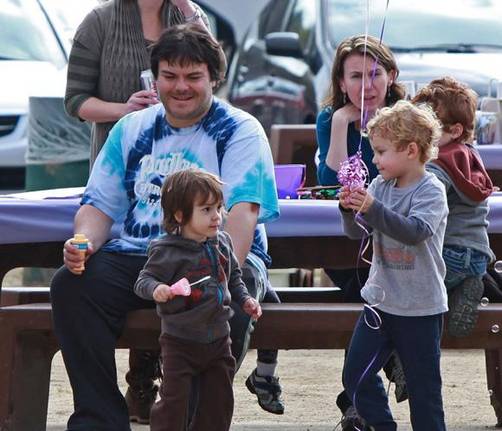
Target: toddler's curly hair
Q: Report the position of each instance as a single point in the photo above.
(404, 123)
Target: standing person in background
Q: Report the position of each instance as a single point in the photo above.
(338, 131)
(110, 50)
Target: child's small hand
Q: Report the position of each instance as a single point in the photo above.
(361, 200)
(344, 197)
(252, 307)
(162, 293)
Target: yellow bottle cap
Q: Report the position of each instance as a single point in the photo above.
(80, 237)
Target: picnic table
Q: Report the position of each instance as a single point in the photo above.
(308, 234)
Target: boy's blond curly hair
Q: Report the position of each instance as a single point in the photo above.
(404, 123)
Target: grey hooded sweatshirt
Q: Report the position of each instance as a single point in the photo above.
(203, 316)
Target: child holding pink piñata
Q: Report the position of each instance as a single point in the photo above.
(195, 337)
(405, 209)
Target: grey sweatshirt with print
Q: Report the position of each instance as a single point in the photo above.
(408, 226)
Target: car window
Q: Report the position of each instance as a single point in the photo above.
(66, 16)
(302, 21)
(272, 17)
(446, 25)
(25, 33)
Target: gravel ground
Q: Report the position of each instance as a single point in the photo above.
(311, 380)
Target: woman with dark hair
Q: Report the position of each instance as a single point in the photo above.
(363, 79)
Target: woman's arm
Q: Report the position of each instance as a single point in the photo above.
(337, 152)
(99, 111)
(331, 131)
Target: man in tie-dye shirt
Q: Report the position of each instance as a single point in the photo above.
(190, 128)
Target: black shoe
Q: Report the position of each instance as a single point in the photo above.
(268, 391)
(400, 391)
(463, 302)
(139, 403)
(395, 373)
(351, 421)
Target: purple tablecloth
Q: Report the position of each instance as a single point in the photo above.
(491, 155)
(48, 216)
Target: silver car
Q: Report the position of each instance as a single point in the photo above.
(34, 47)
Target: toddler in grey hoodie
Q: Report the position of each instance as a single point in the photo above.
(195, 336)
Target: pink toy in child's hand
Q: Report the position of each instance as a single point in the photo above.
(181, 287)
(353, 172)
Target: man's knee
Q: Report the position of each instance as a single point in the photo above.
(61, 290)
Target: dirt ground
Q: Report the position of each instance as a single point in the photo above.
(310, 381)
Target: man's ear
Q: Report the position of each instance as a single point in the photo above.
(456, 130)
(178, 215)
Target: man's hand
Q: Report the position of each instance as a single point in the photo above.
(252, 308)
(73, 258)
(162, 293)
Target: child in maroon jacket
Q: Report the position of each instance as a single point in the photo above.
(466, 250)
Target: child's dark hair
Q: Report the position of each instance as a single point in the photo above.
(186, 44)
(453, 102)
(182, 189)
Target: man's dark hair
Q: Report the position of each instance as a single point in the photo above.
(186, 44)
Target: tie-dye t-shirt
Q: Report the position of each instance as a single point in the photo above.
(143, 148)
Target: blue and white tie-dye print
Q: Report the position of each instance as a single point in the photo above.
(143, 148)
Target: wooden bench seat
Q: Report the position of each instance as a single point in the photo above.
(28, 345)
(16, 295)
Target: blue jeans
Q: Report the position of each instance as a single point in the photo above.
(416, 341)
(462, 263)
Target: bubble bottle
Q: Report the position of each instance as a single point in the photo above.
(80, 242)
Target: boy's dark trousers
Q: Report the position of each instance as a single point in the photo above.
(214, 365)
(417, 342)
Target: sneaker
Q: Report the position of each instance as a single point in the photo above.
(268, 391)
(139, 404)
(351, 421)
(397, 376)
(463, 302)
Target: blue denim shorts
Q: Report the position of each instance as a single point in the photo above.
(462, 263)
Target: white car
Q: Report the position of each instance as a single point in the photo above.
(34, 49)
